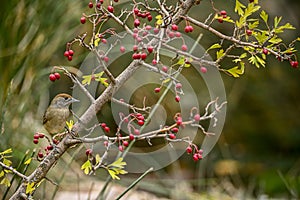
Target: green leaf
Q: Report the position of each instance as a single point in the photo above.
(253, 25)
(220, 53)
(275, 40)
(264, 16)
(118, 163)
(260, 61)
(86, 167)
(7, 162)
(237, 71)
(244, 55)
(261, 37)
(239, 7)
(280, 29)
(277, 21)
(214, 46)
(2, 174)
(181, 61)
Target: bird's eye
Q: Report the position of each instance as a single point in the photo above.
(66, 98)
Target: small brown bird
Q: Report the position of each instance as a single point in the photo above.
(57, 113)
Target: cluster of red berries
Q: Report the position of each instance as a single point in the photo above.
(37, 136)
(105, 127)
(140, 119)
(141, 14)
(47, 149)
(197, 155)
(54, 76)
(223, 14)
(294, 64)
(172, 135)
(69, 54)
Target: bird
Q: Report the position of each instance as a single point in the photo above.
(58, 112)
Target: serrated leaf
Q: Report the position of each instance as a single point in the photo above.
(28, 161)
(70, 124)
(86, 167)
(239, 7)
(253, 61)
(103, 81)
(261, 37)
(7, 162)
(159, 20)
(275, 40)
(253, 25)
(237, 71)
(86, 79)
(220, 53)
(5, 181)
(214, 46)
(277, 21)
(118, 163)
(113, 175)
(264, 16)
(244, 55)
(280, 29)
(260, 61)
(30, 188)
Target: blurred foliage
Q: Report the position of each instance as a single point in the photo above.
(262, 133)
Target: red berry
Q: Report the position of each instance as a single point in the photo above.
(131, 136)
(55, 141)
(184, 47)
(248, 32)
(203, 70)
(104, 41)
(121, 148)
(110, 9)
(265, 51)
(40, 155)
(49, 147)
(177, 98)
(179, 121)
(294, 64)
(89, 152)
(154, 62)
(136, 131)
(150, 49)
(66, 53)
(189, 149)
(175, 130)
(125, 143)
(57, 75)
(177, 34)
(136, 22)
(107, 129)
(199, 156)
(136, 11)
(71, 52)
(122, 49)
(140, 122)
(174, 27)
(41, 135)
(164, 69)
(105, 143)
(171, 34)
(191, 28)
(52, 77)
(195, 157)
(98, 5)
(251, 1)
(82, 20)
(172, 136)
(136, 56)
(157, 90)
(178, 85)
(70, 58)
(149, 17)
(143, 56)
(220, 20)
(148, 27)
(156, 30)
(223, 12)
(36, 136)
(116, 1)
(91, 4)
(197, 117)
(103, 125)
(35, 141)
(187, 29)
(135, 47)
(106, 59)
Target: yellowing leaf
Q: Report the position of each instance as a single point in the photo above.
(166, 80)
(277, 21)
(159, 20)
(87, 79)
(6, 151)
(118, 163)
(28, 161)
(7, 162)
(214, 46)
(103, 81)
(220, 53)
(70, 124)
(5, 181)
(30, 188)
(1, 174)
(113, 175)
(253, 25)
(264, 16)
(236, 71)
(239, 7)
(86, 167)
(96, 42)
(98, 159)
(181, 61)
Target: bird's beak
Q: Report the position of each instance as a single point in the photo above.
(73, 100)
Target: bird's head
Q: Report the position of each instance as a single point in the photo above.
(63, 100)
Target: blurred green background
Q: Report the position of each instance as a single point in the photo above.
(258, 152)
